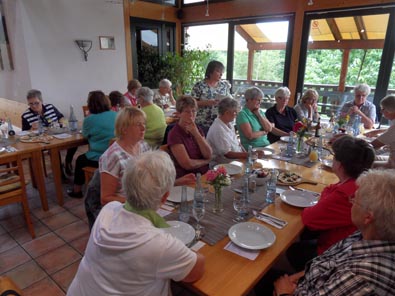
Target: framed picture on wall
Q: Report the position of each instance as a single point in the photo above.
(107, 42)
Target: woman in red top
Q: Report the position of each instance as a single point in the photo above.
(329, 221)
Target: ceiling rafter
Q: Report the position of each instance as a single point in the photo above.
(361, 27)
(245, 35)
(334, 29)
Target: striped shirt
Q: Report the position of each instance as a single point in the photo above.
(353, 266)
(50, 114)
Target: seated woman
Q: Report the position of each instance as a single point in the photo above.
(330, 218)
(129, 131)
(188, 147)
(116, 99)
(129, 97)
(388, 137)
(281, 115)
(98, 129)
(251, 122)
(208, 93)
(163, 96)
(155, 124)
(307, 107)
(127, 252)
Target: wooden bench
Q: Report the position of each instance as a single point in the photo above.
(13, 110)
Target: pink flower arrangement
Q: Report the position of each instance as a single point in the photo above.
(218, 177)
(300, 128)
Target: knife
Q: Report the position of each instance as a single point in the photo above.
(274, 221)
(305, 190)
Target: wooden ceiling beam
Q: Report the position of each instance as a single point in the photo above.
(244, 34)
(344, 44)
(361, 27)
(334, 29)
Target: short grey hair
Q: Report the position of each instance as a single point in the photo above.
(376, 192)
(388, 103)
(147, 178)
(146, 93)
(363, 87)
(165, 83)
(227, 104)
(282, 92)
(34, 93)
(253, 93)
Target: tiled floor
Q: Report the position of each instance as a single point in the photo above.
(47, 264)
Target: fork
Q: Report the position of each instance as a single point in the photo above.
(304, 190)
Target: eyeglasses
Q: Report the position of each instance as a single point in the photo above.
(139, 124)
(189, 111)
(34, 104)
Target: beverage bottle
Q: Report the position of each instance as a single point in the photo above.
(356, 124)
(10, 128)
(198, 188)
(271, 187)
(183, 214)
(290, 146)
(246, 196)
(40, 126)
(73, 122)
(249, 162)
(318, 128)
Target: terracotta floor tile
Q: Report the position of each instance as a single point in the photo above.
(2, 230)
(80, 244)
(15, 222)
(12, 258)
(58, 259)
(53, 210)
(78, 211)
(47, 285)
(22, 235)
(65, 276)
(72, 202)
(59, 220)
(9, 211)
(27, 274)
(43, 244)
(6, 242)
(73, 231)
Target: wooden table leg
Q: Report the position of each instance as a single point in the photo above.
(57, 175)
(38, 176)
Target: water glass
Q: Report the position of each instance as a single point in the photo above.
(198, 211)
(240, 206)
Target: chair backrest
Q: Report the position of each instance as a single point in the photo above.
(92, 199)
(85, 111)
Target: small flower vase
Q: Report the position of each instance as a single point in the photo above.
(218, 206)
(299, 145)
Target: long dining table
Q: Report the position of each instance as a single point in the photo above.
(227, 273)
(33, 152)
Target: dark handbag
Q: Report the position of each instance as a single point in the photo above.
(10, 293)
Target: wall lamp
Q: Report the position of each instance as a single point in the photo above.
(85, 46)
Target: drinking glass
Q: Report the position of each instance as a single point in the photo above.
(198, 211)
(240, 206)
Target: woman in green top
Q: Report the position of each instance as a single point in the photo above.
(98, 129)
(251, 121)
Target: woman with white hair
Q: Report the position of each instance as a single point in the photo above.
(163, 96)
(155, 118)
(282, 116)
(388, 137)
(307, 107)
(361, 106)
(127, 252)
(251, 121)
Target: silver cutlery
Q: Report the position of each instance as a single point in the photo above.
(269, 219)
(304, 190)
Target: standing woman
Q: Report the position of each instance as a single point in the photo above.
(281, 115)
(98, 129)
(208, 92)
(307, 107)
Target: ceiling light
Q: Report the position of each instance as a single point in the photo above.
(310, 2)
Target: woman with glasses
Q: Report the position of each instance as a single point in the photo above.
(188, 147)
(98, 129)
(307, 107)
(251, 121)
(329, 221)
(282, 116)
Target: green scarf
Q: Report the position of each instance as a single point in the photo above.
(151, 215)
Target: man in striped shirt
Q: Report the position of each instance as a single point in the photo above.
(47, 113)
(363, 263)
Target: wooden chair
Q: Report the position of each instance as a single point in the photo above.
(9, 286)
(13, 187)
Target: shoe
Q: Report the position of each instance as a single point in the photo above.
(68, 168)
(73, 194)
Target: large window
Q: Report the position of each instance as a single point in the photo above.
(5, 50)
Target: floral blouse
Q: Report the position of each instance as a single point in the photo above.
(202, 91)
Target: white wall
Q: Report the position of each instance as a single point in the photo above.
(42, 34)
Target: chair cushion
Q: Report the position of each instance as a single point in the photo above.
(9, 187)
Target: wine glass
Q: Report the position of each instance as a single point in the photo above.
(198, 211)
(240, 206)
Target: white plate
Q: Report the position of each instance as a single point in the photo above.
(175, 194)
(231, 169)
(285, 139)
(299, 198)
(181, 230)
(250, 235)
(267, 151)
(328, 163)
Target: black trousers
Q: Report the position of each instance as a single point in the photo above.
(81, 162)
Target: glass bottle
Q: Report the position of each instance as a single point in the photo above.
(73, 122)
(10, 128)
(184, 207)
(318, 128)
(271, 187)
